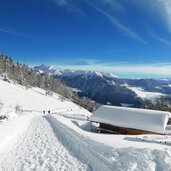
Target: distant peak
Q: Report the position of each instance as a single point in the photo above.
(53, 70)
(86, 73)
(42, 66)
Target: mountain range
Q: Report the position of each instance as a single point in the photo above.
(106, 88)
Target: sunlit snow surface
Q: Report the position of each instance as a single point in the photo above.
(65, 140)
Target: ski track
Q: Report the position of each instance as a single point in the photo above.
(40, 150)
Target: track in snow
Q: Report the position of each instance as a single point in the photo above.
(40, 149)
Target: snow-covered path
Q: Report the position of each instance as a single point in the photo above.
(40, 149)
(49, 144)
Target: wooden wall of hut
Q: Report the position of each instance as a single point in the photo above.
(122, 130)
(169, 122)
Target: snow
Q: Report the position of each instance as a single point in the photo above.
(126, 105)
(90, 73)
(52, 70)
(12, 129)
(144, 94)
(168, 129)
(75, 89)
(72, 73)
(111, 82)
(65, 140)
(115, 141)
(33, 99)
(122, 152)
(46, 153)
(148, 120)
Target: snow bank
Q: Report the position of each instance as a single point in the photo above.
(76, 143)
(11, 131)
(116, 151)
(112, 140)
(140, 159)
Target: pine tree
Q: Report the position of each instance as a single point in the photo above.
(2, 64)
(22, 74)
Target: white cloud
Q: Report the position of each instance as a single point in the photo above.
(167, 13)
(160, 39)
(114, 5)
(116, 23)
(62, 2)
(160, 10)
(70, 6)
(119, 68)
(16, 34)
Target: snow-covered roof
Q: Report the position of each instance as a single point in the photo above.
(142, 119)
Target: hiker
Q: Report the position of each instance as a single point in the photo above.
(43, 112)
(87, 118)
(48, 111)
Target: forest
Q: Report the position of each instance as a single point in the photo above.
(26, 76)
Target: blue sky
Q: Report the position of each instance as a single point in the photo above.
(129, 38)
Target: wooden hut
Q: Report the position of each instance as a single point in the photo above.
(124, 120)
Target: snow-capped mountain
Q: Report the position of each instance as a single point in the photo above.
(49, 69)
(108, 88)
(57, 71)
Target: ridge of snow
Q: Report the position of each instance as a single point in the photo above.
(52, 70)
(86, 73)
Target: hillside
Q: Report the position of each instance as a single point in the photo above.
(65, 140)
(107, 88)
(23, 75)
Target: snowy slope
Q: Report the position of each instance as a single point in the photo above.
(33, 99)
(65, 140)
